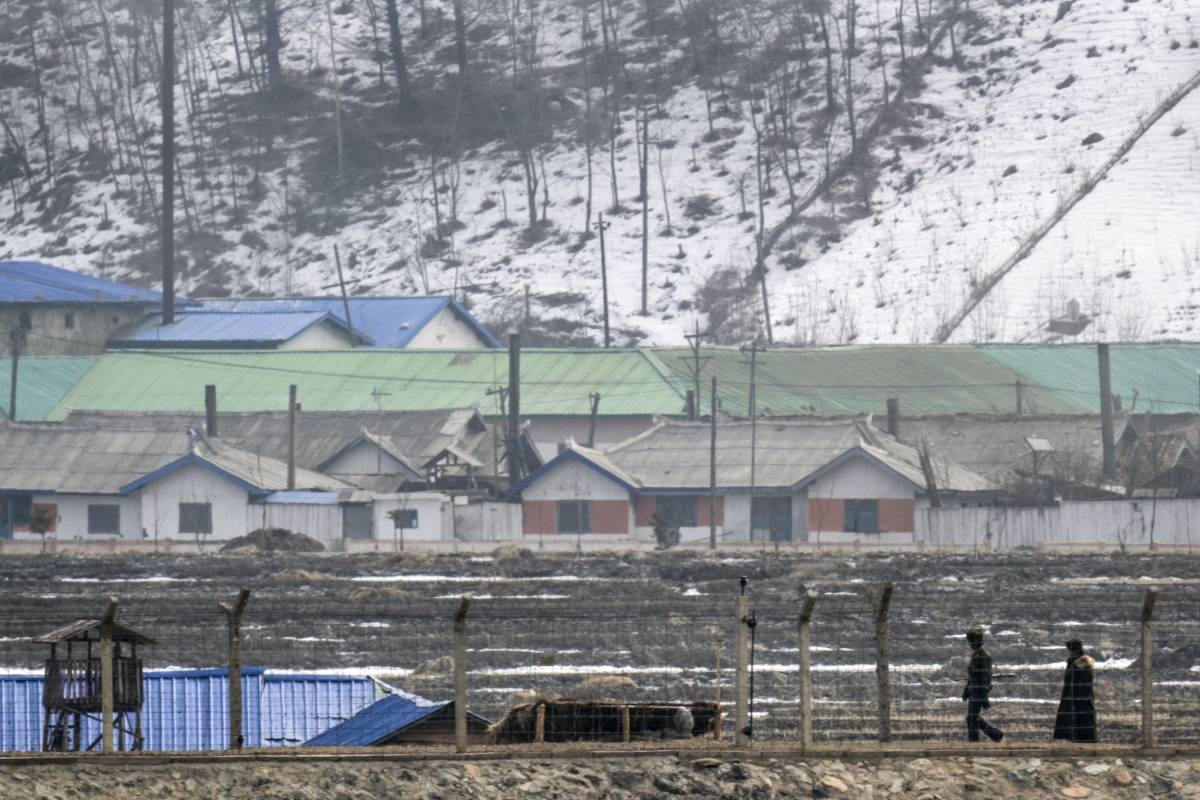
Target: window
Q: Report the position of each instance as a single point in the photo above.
(195, 517)
(26, 321)
(678, 511)
(104, 519)
(405, 518)
(574, 516)
(22, 511)
(862, 516)
(69, 320)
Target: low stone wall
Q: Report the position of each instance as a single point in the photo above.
(658, 777)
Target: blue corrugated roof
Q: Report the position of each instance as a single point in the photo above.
(35, 282)
(189, 709)
(379, 721)
(226, 329)
(392, 322)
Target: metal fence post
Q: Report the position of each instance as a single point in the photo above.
(741, 681)
(460, 675)
(106, 674)
(1148, 601)
(806, 723)
(233, 615)
(881, 599)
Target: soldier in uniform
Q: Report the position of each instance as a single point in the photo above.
(979, 686)
(1076, 720)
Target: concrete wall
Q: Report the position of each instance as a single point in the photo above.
(487, 521)
(322, 522)
(446, 330)
(194, 484)
(72, 517)
(1112, 523)
(435, 516)
(324, 336)
(92, 328)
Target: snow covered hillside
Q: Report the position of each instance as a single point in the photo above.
(889, 160)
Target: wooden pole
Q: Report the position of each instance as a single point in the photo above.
(514, 408)
(539, 725)
(806, 723)
(210, 410)
(881, 599)
(106, 674)
(291, 459)
(741, 681)
(233, 617)
(595, 398)
(625, 723)
(712, 469)
(1148, 601)
(460, 675)
(17, 339)
(717, 692)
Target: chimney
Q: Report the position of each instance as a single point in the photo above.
(210, 410)
(1106, 413)
(689, 406)
(893, 416)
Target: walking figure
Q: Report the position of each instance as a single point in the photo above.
(979, 685)
(1076, 719)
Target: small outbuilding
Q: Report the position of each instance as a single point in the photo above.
(399, 719)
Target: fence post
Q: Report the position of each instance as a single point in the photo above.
(881, 599)
(717, 687)
(741, 682)
(806, 726)
(233, 616)
(625, 723)
(539, 724)
(460, 675)
(106, 674)
(1148, 601)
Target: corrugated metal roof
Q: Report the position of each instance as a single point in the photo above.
(1164, 375)
(226, 328)
(303, 498)
(35, 282)
(392, 322)
(41, 382)
(927, 379)
(553, 382)
(379, 721)
(41, 457)
(89, 629)
(189, 709)
(675, 456)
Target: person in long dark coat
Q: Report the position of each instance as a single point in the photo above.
(979, 686)
(1076, 720)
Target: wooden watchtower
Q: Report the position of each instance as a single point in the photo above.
(74, 693)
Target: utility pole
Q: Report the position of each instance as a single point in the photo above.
(291, 461)
(753, 403)
(17, 339)
(168, 163)
(502, 393)
(712, 469)
(602, 226)
(1020, 397)
(1106, 414)
(514, 408)
(345, 301)
(694, 340)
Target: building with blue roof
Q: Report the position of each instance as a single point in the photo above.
(400, 718)
(63, 312)
(189, 709)
(389, 322)
(239, 330)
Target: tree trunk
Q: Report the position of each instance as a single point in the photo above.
(272, 42)
(460, 39)
(403, 90)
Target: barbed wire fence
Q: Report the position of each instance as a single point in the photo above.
(875, 662)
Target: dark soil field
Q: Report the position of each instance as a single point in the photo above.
(646, 626)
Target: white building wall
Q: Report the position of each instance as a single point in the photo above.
(574, 481)
(737, 517)
(194, 484)
(446, 330)
(72, 516)
(859, 478)
(435, 516)
(322, 336)
(365, 459)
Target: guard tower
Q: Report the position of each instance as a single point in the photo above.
(72, 695)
